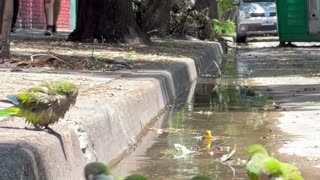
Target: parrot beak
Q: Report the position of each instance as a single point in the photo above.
(73, 101)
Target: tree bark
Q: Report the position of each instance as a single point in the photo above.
(6, 12)
(212, 6)
(230, 15)
(156, 18)
(107, 20)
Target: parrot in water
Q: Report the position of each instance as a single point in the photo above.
(99, 171)
(42, 105)
(262, 166)
(135, 177)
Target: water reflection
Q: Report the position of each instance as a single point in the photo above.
(224, 110)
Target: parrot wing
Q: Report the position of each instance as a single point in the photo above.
(255, 166)
(272, 167)
(291, 172)
(9, 111)
(34, 100)
(261, 165)
(42, 105)
(28, 104)
(13, 99)
(20, 102)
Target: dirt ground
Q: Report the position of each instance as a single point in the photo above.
(36, 52)
(291, 76)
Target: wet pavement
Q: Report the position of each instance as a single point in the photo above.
(234, 114)
(291, 76)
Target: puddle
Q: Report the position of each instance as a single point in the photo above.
(232, 112)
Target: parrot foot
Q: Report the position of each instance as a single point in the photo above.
(46, 127)
(33, 128)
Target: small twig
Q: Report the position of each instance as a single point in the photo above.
(152, 31)
(59, 59)
(228, 156)
(219, 71)
(233, 170)
(1, 60)
(92, 53)
(102, 40)
(32, 79)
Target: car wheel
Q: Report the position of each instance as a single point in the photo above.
(282, 44)
(240, 39)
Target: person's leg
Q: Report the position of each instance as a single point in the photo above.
(48, 9)
(56, 12)
(15, 15)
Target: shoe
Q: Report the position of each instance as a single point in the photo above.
(49, 31)
(54, 29)
(13, 29)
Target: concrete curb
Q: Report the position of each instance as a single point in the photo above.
(103, 125)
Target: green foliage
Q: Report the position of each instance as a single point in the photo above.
(224, 28)
(225, 5)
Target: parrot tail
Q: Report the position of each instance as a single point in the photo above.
(9, 111)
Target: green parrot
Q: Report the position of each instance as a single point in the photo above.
(97, 171)
(135, 177)
(201, 178)
(262, 166)
(42, 105)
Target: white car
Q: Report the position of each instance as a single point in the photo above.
(255, 17)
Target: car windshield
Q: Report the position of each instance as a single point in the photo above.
(258, 0)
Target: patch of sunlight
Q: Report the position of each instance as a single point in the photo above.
(109, 54)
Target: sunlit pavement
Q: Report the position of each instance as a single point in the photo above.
(38, 34)
(273, 41)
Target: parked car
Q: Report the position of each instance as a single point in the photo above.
(255, 18)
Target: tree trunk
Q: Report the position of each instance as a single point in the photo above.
(156, 18)
(230, 15)
(106, 20)
(212, 6)
(6, 12)
(213, 10)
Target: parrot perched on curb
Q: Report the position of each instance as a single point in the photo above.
(262, 166)
(42, 105)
